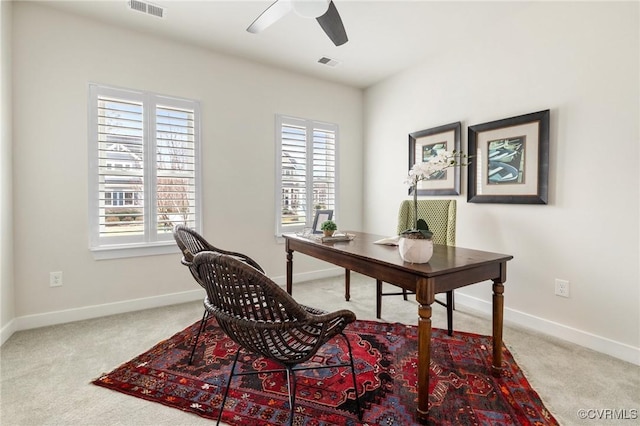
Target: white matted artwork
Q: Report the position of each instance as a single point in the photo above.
(511, 160)
(425, 144)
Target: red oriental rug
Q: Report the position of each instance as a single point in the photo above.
(462, 389)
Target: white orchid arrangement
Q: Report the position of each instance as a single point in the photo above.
(425, 171)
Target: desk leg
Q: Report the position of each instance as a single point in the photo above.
(347, 285)
(498, 312)
(425, 296)
(289, 271)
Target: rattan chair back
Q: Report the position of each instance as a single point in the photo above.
(192, 243)
(259, 315)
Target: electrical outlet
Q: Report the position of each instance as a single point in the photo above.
(55, 279)
(562, 288)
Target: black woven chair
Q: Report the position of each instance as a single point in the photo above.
(265, 320)
(192, 243)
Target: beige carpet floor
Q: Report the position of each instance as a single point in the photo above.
(45, 373)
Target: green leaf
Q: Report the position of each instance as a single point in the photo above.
(417, 234)
(426, 233)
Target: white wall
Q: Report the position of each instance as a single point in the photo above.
(578, 59)
(6, 209)
(581, 61)
(56, 55)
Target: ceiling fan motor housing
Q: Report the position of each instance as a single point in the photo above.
(310, 8)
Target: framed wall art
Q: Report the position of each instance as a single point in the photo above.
(425, 144)
(510, 160)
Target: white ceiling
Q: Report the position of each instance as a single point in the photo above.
(385, 37)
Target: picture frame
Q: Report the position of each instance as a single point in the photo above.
(510, 160)
(321, 217)
(423, 144)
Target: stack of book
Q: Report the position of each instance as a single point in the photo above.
(333, 239)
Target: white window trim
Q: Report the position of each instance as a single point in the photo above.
(119, 251)
(308, 124)
(152, 245)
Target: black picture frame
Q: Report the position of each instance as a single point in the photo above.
(423, 141)
(321, 217)
(510, 160)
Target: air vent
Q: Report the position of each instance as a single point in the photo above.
(148, 8)
(328, 61)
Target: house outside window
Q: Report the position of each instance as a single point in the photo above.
(144, 169)
(306, 165)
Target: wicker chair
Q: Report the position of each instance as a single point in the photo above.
(192, 243)
(440, 215)
(265, 320)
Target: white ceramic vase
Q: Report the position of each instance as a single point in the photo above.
(414, 250)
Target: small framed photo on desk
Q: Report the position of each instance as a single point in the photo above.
(321, 217)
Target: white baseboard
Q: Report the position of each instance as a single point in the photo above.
(7, 331)
(597, 343)
(309, 276)
(28, 322)
(95, 311)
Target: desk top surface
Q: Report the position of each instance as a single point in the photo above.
(445, 259)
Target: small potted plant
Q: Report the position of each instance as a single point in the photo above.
(328, 227)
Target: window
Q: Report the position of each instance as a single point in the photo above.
(306, 171)
(144, 168)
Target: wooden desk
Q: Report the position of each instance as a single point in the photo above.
(448, 269)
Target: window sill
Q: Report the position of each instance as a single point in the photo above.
(134, 250)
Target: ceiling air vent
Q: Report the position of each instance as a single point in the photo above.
(148, 8)
(328, 61)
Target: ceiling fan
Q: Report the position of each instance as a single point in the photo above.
(324, 11)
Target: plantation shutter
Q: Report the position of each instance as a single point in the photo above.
(294, 175)
(121, 167)
(175, 168)
(307, 172)
(144, 169)
(324, 169)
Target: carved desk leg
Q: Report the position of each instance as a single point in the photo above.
(425, 297)
(498, 308)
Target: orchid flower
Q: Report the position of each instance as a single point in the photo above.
(424, 171)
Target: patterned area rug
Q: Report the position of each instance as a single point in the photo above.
(462, 389)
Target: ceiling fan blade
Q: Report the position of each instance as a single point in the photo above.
(272, 14)
(331, 23)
